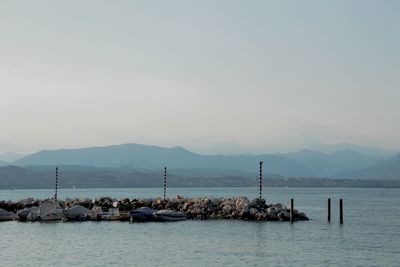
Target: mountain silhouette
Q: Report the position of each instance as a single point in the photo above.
(153, 157)
(345, 163)
(385, 170)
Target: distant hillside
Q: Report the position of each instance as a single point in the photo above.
(345, 163)
(127, 155)
(152, 157)
(364, 150)
(328, 165)
(3, 163)
(319, 163)
(389, 169)
(74, 176)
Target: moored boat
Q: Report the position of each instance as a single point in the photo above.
(7, 215)
(77, 213)
(49, 210)
(169, 215)
(113, 214)
(143, 214)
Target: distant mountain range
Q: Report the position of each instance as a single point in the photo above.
(232, 148)
(330, 165)
(364, 150)
(388, 169)
(346, 163)
(136, 156)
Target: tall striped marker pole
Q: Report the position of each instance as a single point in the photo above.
(165, 181)
(55, 194)
(261, 163)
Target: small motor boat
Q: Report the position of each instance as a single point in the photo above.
(113, 214)
(77, 213)
(169, 215)
(49, 210)
(7, 215)
(143, 214)
(96, 214)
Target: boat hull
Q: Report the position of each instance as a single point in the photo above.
(142, 215)
(166, 218)
(169, 216)
(7, 216)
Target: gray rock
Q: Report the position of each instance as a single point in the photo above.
(253, 211)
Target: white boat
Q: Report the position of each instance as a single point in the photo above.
(77, 212)
(169, 215)
(7, 215)
(49, 210)
(113, 214)
(96, 214)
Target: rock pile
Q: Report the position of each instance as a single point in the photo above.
(199, 208)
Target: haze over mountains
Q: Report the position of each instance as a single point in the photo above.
(136, 156)
(135, 165)
(232, 148)
(346, 163)
(10, 156)
(388, 169)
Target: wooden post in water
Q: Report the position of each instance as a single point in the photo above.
(55, 193)
(291, 210)
(341, 211)
(329, 210)
(165, 181)
(261, 163)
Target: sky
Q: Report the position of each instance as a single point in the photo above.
(206, 75)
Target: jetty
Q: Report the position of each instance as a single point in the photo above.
(197, 208)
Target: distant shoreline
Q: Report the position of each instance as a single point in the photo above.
(18, 178)
(221, 187)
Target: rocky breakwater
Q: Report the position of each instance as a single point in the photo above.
(237, 208)
(199, 208)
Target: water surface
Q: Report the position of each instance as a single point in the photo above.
(370, 235)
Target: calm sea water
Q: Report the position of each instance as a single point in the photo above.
(370, 235)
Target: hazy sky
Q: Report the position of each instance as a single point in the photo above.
(198, 73)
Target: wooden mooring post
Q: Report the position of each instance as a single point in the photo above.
(329, 210)
(341, 211)
(291, 210)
